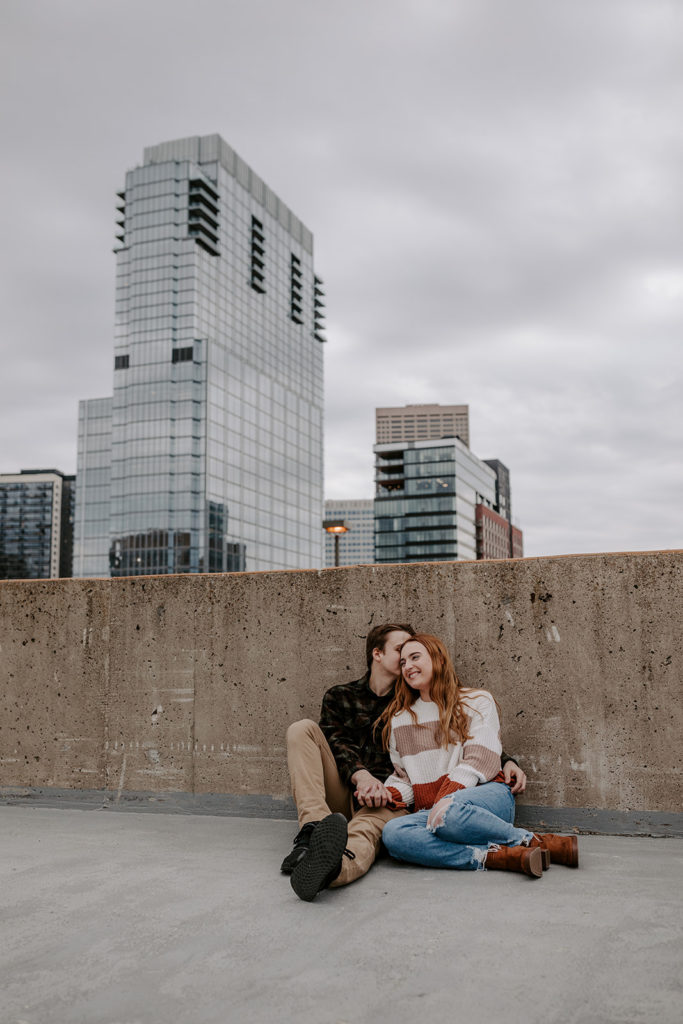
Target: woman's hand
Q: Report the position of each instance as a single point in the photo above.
(370, 792)
(513, 771)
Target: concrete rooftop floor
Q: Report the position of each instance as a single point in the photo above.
(134, 918)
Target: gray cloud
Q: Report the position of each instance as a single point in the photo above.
(494, 190)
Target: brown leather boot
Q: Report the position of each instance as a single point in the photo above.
(536, 843)
(525, 859)
(562, 849)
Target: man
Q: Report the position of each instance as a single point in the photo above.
(337, 770)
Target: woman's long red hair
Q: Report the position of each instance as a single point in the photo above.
(446, 691)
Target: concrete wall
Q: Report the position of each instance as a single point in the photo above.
(186, 683)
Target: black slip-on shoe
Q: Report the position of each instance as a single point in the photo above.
(322, 863)
(300, 848)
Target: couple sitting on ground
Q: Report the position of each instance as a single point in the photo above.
(407, 737)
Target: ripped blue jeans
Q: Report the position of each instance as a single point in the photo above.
(476, 819)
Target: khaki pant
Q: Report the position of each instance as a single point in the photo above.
(318, 791)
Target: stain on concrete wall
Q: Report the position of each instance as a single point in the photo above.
(187, 683)
(54, 651)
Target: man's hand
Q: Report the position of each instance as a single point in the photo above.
(512, 771)
(370, 792)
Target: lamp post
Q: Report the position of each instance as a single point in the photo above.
(336, 527)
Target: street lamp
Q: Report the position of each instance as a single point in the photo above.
(336, 527)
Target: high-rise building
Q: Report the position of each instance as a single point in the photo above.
(395, 424)
(434, 499)
(357, 547)
(92, 536)
(426, 497)
(36, 524)
(496, 535)
(208, 457)
(503, 495)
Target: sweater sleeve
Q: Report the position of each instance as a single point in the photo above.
(398, 782)
(479, 759)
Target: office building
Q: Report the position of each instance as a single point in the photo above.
(208, 457)
(503, 494)
(426, 497)
(357, 547)
(496, 535)
(36, 524)
(435, 499)
(92, 527)
(422, 423)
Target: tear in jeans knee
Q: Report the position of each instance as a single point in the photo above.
(441, 817)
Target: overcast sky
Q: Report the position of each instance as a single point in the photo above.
(495, 188)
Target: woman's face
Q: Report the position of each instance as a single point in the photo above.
(416, 667)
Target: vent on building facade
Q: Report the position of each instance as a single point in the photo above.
(318, 310)
(296, 290)
(182, 355)
(202, 215)
(121, 218)
(258, 255)
(121, 362)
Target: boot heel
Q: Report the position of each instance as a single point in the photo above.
(524, 859)
(532, 863)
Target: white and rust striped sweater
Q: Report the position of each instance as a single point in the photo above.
(424, 772)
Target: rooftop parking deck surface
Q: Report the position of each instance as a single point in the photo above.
(125, 918)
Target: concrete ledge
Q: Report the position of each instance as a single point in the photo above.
(186, 684)
(584, 820)
(594, 821)
(230, 805)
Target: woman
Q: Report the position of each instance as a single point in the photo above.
(444, 743)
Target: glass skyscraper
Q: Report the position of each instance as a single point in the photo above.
(36, 524)
(426, 497)
(209, 455)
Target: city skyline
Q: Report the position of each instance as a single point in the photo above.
(496, 206)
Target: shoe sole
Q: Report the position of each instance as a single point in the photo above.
(287, 867)
(325, 852)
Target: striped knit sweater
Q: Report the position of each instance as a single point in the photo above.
(424, 772)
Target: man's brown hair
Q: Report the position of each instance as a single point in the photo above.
(377, 637)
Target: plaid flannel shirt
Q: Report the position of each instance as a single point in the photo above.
(349, 712)
(347, 718)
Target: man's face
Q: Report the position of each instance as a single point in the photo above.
(390, 657)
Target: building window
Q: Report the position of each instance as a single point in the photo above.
(121, 362)
(296, 290)
(236, 555)
(258, 256)
(182, 355)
